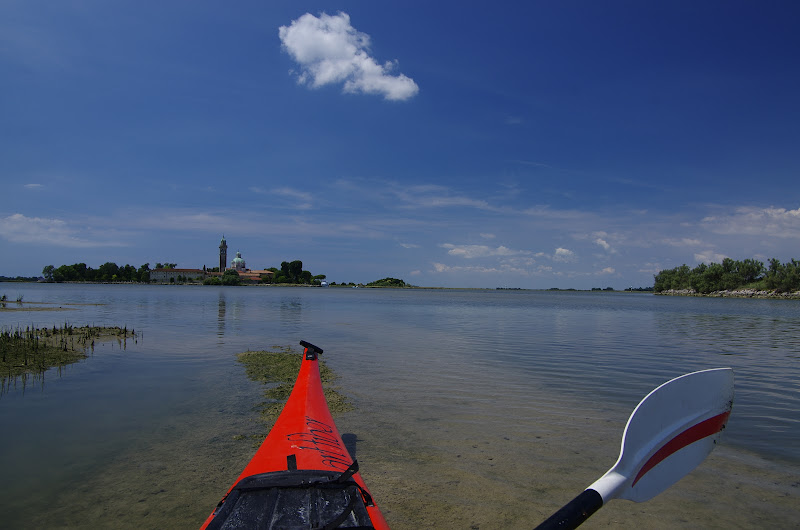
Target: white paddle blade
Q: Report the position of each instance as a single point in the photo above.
(670, 433)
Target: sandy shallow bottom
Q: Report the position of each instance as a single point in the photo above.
(468, 470)
(462, 475)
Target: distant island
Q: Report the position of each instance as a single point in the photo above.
(290, 273)
(109, 272)
(234, 272)
(748, 278)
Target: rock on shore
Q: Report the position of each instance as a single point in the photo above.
(735, 293)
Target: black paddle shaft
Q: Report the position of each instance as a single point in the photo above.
(574, 513)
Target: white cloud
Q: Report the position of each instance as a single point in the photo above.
(245, 222)
(435, 196)
(504, 268)
(480, 251)
(601, 239)
(303, 199)
(547, 212)
(564, 255)
(682, 242)
(330, 50)
(521, 261)
(18, 228)
(34, 186)
(773, 222)
(709, 256)
(442, 268)
(488, 236)
(608, 270)
(294, 194)
(650, 268)
(603, 243)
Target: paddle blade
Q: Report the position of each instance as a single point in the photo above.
(670, 432)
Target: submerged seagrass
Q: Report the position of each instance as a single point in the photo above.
(277, 368)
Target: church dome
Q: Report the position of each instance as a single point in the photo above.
(238, 262)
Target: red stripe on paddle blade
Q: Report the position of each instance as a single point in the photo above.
(702, 430)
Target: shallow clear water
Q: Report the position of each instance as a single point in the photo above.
(141, 433)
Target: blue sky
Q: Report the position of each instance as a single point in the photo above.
(460, 144)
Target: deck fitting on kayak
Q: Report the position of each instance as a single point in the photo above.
(311, 350)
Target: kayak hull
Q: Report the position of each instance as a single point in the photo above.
(302, 475)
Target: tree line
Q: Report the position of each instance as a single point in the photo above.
(289, 273)
(292, 272)
(730, 275)
(107, 272)
(387, 282)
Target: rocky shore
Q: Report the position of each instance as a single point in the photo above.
(735, 293)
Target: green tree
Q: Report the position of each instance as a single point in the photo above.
(107, 270)
(230, 277)
(677, 279)
(65, 273)
(47, 272)
(291, 272)
(127, 273)
(751, 270)
(730, 275)
(696, 280)
(387, 282)
(783, 277)
(143, 273)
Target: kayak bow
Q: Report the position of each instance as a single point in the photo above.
(302, 476)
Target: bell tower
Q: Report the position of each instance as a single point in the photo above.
(223, 254)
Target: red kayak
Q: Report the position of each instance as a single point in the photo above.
(302, 476)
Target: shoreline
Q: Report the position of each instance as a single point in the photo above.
(356, 286)
(734, 293)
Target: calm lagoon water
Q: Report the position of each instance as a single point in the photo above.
(474, 409)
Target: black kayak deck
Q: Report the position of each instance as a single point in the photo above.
(294, 499)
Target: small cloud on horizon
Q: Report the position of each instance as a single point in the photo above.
(564, 255)
(600, 242)
(747, 220)
(481, 251)
(19, 228)
(709, 256)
